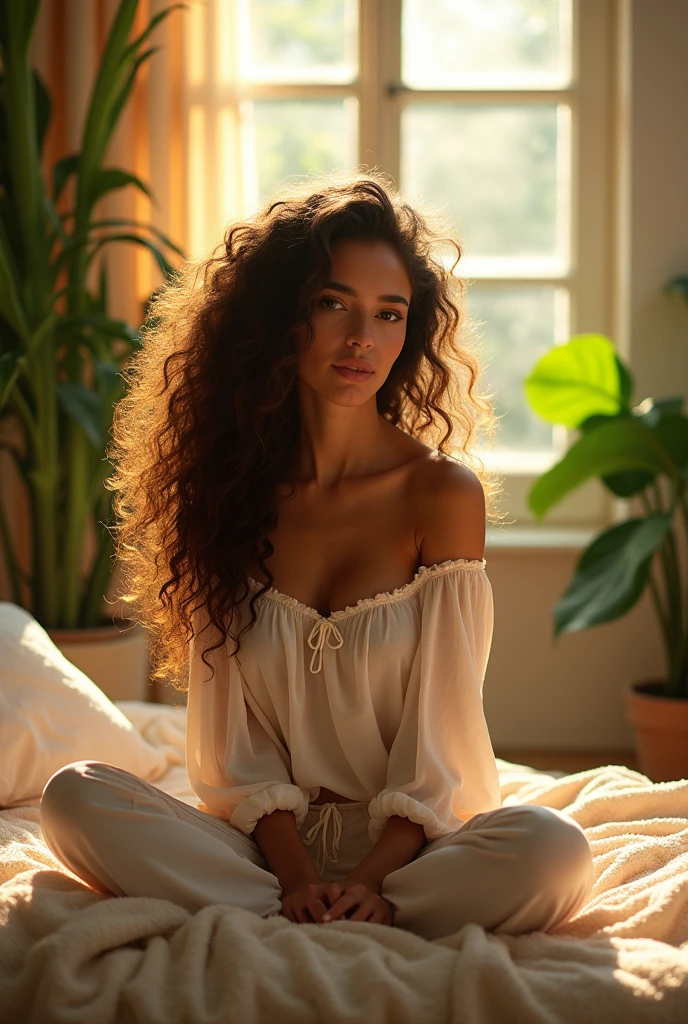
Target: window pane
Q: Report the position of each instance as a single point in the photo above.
(294, 137)
(474, 44)
(298, 40)
(517, 326)
(499, 172)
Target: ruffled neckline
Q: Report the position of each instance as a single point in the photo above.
(425, 572)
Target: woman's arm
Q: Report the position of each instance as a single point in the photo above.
(400, 841)
(451, 518)
(280, 843)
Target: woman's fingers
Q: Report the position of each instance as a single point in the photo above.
(334, 891)
(344, 903)
(317, 909)
(369, 908)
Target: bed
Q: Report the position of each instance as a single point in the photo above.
(70, 954)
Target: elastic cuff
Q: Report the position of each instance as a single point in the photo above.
(383, 806)
(282, 797)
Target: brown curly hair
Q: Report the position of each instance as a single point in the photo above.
(210, 416)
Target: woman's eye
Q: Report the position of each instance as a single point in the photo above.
(330, 298)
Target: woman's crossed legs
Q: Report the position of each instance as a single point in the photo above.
(512, 870)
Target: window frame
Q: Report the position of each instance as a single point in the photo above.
(381, 99)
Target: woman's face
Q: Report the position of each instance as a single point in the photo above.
(360, 315)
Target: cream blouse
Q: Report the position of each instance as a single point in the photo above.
(380, 701)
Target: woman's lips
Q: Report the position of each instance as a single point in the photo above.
(357, 375)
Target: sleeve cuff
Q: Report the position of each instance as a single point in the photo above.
(280, 797)
(383, 806)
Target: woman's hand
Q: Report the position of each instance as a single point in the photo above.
(365, 899)
(307, 902)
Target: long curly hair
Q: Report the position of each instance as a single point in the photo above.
(208, 427)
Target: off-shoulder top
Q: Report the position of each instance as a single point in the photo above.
(380, 701)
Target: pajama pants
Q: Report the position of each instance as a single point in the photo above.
(512, 870)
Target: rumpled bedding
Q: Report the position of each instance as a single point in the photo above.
(69, 954)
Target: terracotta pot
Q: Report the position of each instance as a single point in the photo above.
(661, 730)
(114, 656)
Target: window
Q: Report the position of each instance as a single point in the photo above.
(495, 111)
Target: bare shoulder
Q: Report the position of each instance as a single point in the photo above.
(449, 506)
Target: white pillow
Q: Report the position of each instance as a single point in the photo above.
(51, 714)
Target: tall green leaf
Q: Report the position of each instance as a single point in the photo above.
(622, 444)
(611, 574)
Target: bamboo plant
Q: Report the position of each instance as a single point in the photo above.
(61, 350)
(638, 451)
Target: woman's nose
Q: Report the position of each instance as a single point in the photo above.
(360, 329)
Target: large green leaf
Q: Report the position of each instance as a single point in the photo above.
(611, 574)
(623, 485)
(82, 404)
(649, 413)
(625, 382)
(672, 432)
(577, 380)
(620, 445)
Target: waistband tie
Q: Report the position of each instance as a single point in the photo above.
(328, 811)
(319, 636)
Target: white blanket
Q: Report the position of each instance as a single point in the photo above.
(69, 954)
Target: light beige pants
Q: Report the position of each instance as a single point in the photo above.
(512, 870)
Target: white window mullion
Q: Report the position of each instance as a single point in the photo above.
(593, 204)
(368, 91)
(389, 73)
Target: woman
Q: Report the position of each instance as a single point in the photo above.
(270, 462)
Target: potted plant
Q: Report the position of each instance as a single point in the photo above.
(61, 349)
(640, 453)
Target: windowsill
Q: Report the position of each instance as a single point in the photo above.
(540, 538)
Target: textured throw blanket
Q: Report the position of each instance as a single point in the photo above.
(70, 954)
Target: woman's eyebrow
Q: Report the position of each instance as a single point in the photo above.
(338, 287)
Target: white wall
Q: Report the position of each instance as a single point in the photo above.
(566, 695)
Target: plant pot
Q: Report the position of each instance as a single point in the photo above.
(115, 657)
(661, 730)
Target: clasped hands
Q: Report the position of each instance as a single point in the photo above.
(353, 899)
